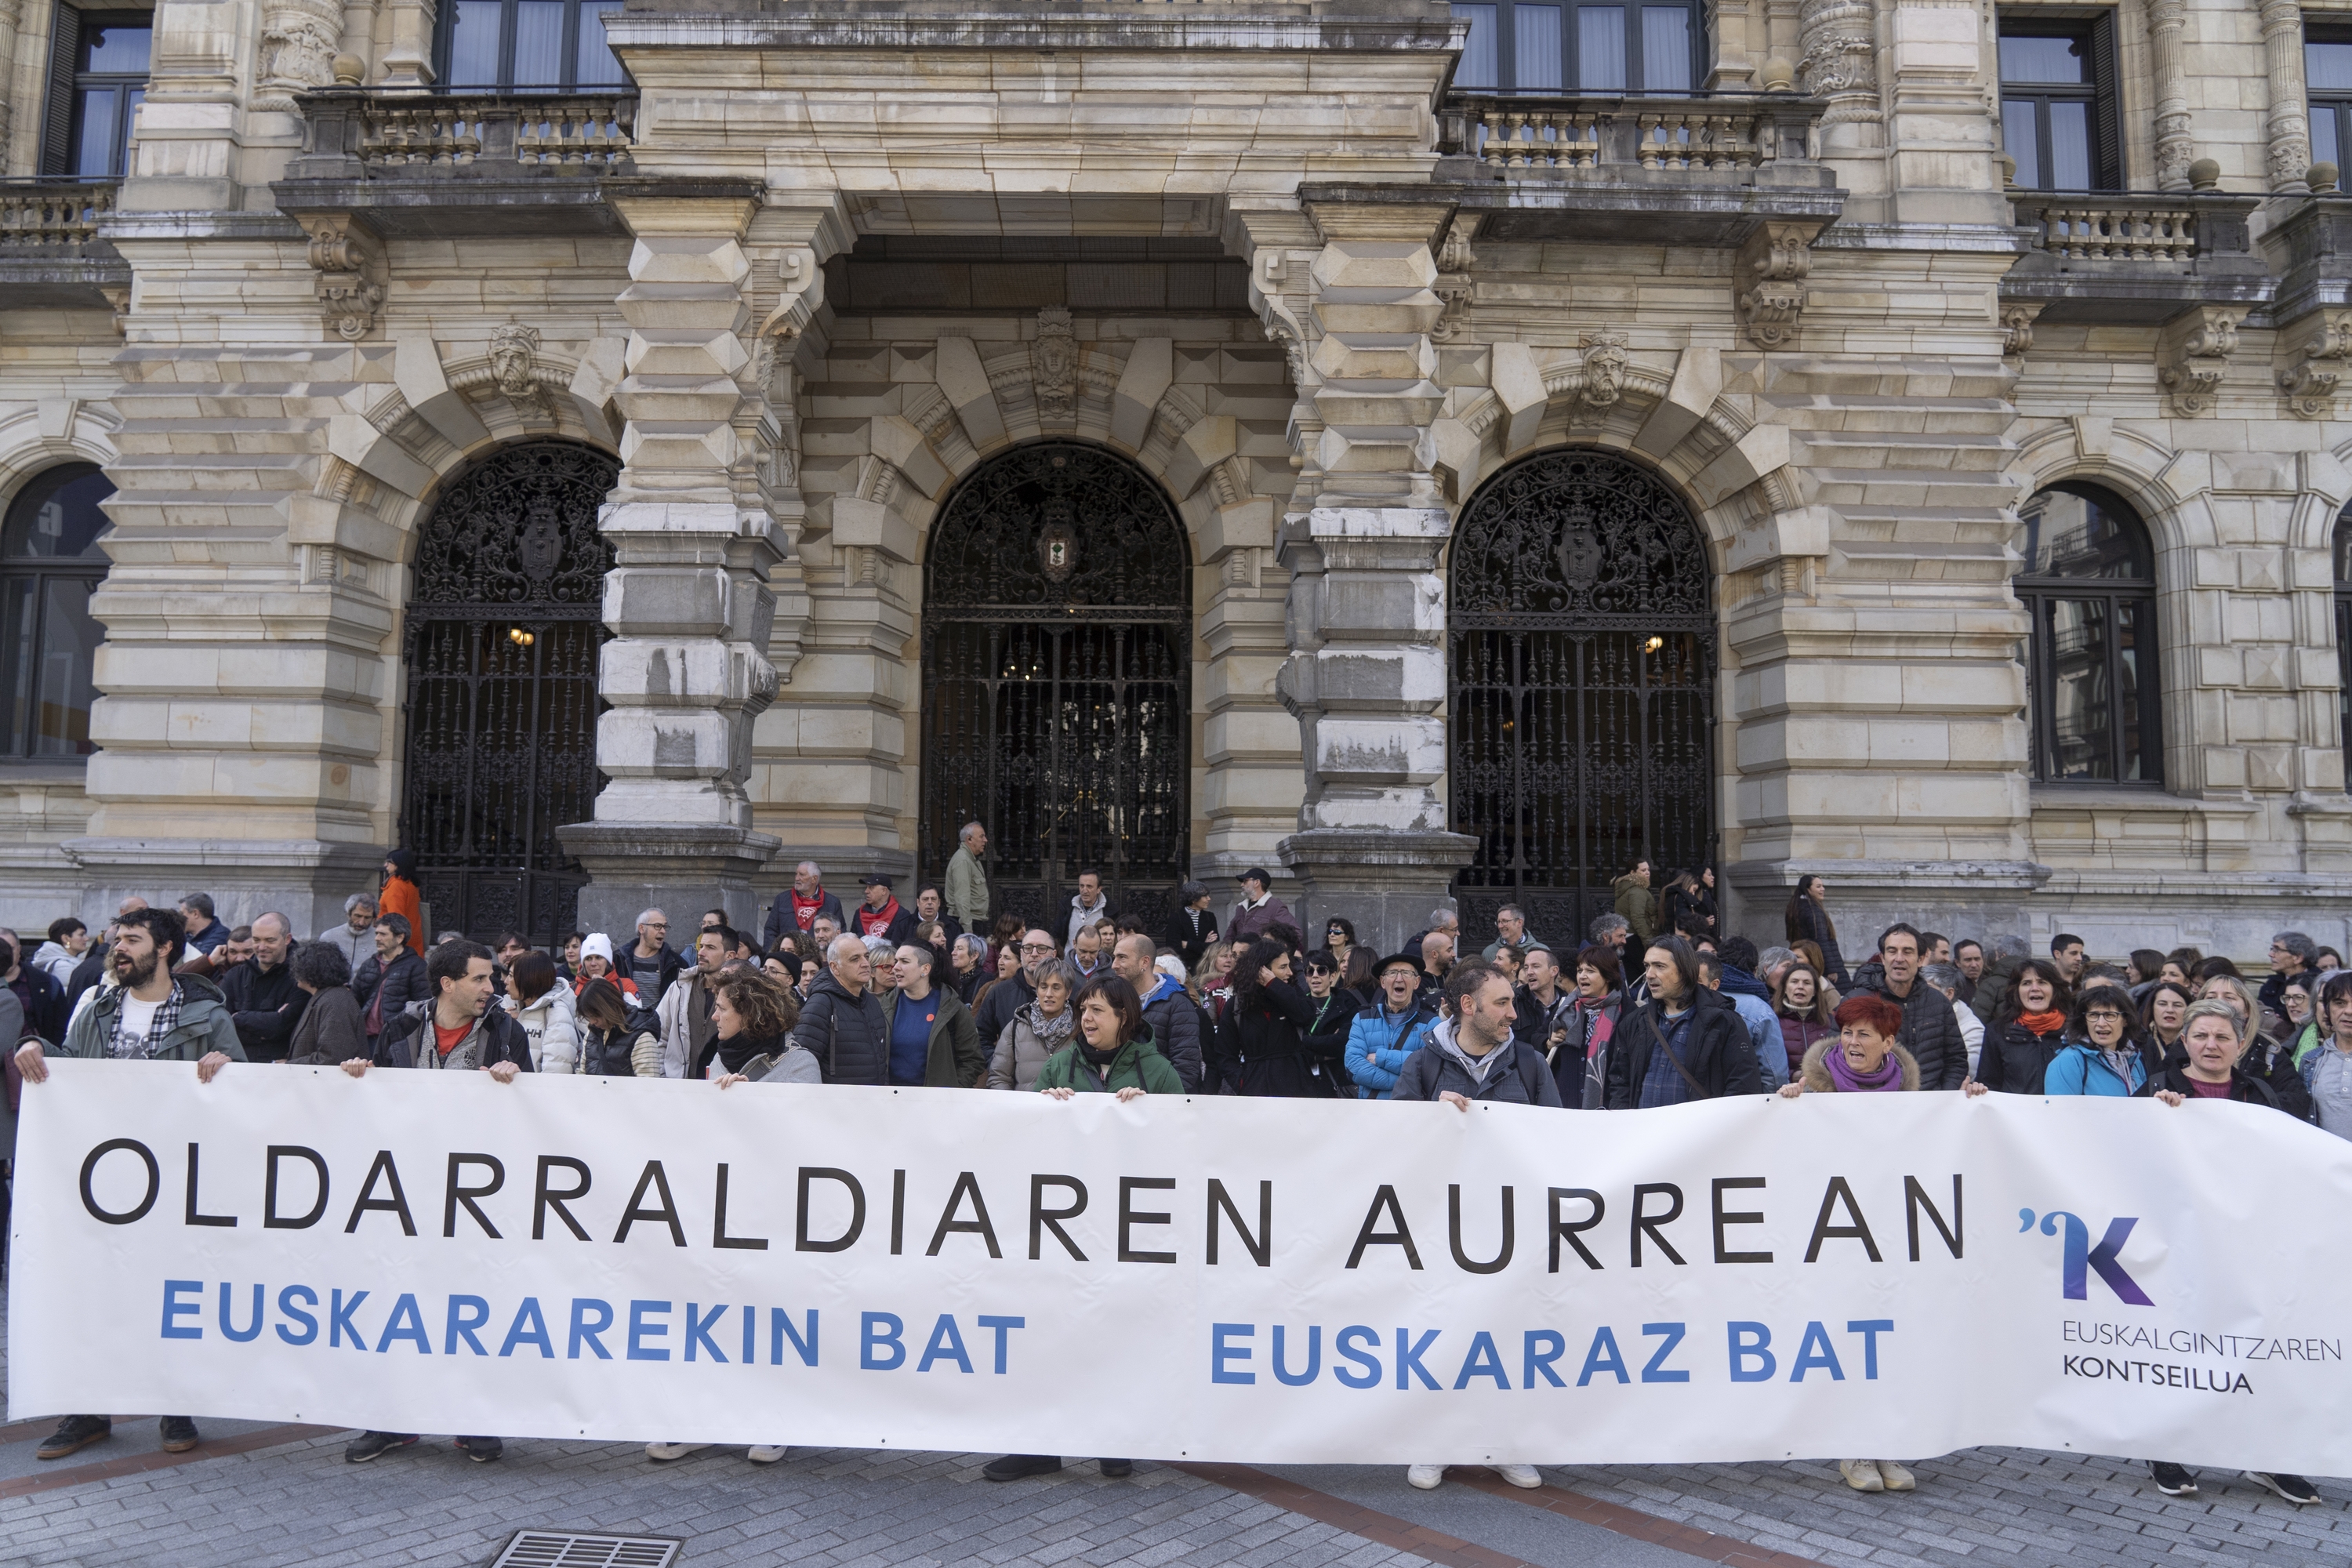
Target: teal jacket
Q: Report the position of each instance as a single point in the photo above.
(2079, 1069)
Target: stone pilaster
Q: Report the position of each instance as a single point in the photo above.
(1366, 615)
(2175, 148)
(2289, 152)
(689, 603)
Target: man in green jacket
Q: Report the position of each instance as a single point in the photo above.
(967, 889)
(1636, 902)
(150, 1015)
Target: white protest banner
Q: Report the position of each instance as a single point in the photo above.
(1247, 1280)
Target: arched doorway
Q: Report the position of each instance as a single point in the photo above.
(503, 627)
(1581, 685)
(1056, 681)
(50, 563)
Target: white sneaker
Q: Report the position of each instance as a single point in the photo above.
(767, 1453)
(1518, 1475)
(662, 1453)
(1424, 1477)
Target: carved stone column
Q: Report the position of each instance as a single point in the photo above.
(1367, 613)
(688, 602)
(2174, 147)
(2290, 125)
(1839, 44)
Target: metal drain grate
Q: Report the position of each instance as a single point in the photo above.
(577, 1549)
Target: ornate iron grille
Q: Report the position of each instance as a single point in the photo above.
(502, 639)
(1058, 682)
(1582, 686)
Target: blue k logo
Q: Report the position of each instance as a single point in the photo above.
(2082, 1259)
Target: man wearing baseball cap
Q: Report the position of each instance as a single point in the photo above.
(879, 914)
(1258, 909)
(1385, 1033)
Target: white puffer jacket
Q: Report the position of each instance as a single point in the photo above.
(553, 1029)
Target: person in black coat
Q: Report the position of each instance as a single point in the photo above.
(392, 973)
(1191, 930)
(1259, 1046)
(1695, 1036)
(1336, 1007)
(883, 916)
(2026, 1031)
(263, 1000)
(841, 1022)
(1807, 918)
(783, 916)
(43, 999)
(1931, 1030)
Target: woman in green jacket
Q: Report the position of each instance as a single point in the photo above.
(1113, 1053)
(941, 1046)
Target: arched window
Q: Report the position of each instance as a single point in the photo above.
(49, 565)
(2343, 634)
(2089, 582)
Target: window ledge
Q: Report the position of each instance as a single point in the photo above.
(44, 770)
(2049, 796)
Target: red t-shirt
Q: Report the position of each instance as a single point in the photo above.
(2204, 1090)
(450, 1039)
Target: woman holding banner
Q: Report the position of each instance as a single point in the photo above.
(2027, 1030)
(1864, 1058)
(2214, 1040)
(1113, 1054)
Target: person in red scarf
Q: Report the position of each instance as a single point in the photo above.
(797, 907)
(879, 914)
(2026, 1031)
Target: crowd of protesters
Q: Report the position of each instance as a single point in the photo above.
(1654, 1005)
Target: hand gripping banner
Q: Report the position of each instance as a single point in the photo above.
(1204, 1278)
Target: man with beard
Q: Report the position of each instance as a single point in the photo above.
(152, 1016)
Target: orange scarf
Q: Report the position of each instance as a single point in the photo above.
(2043, 1023)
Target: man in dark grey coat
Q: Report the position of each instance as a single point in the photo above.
(842, 1025)
(1473, 1055)
(1930, 1031)
(1168, 1009)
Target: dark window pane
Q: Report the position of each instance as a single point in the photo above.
(2133, 617)
(2323, 134)
(1540, 56)
(116, 51)
(2041, 60)
(2327, 68)
(2068, 535)
(1477, 66)
(539, 42)
(22, 656)
(2082, 706)
(2070, 146)
(2344, 548)
(69, 640)
(56, 517)
(94, 146)
(596, 65)
(1600, 48)
(1665, 48)
(2021, 141)
(474, 45)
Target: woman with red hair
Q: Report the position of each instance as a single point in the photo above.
(1864, 1058)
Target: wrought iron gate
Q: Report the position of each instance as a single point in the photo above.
(1582, 688)
(1058, 682)
(503, 629)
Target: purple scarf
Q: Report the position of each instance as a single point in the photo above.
(1888, 1076)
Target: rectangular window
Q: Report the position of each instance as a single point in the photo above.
(1477, 68)
(99, 78)
(1563, 46)
(596, 65)
(1540, 55)
(2057, 101)
(1600, 48)
(528, 45)
(2328, 76)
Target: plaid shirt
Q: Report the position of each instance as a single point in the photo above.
(121, 1046)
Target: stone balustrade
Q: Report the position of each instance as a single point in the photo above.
(1706, 138)
(47, 213)
(2112, 228)
(392, 135)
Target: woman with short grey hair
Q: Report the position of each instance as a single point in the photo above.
(1039, 1029)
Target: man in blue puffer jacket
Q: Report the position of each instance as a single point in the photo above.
(1391, 1029)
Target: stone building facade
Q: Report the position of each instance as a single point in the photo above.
(1425, 452)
